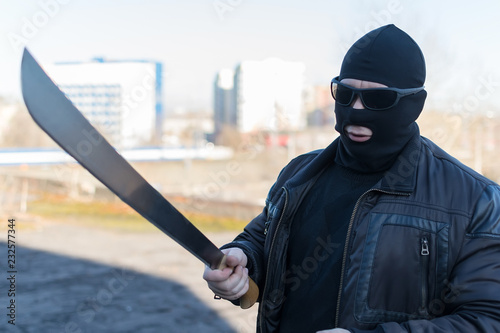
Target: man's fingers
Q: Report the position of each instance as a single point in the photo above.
(233, 261)
(234, 287)
(235, 256)
(232, 281)
(243, 285)
(217, 275)
(237, 282)
(231, 285)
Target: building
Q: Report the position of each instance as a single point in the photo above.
(224, 101)
(268, 95)
(122, 99)
(319, 106)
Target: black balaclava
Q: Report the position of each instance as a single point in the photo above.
(389, 56)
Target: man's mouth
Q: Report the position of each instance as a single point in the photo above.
(358, 133)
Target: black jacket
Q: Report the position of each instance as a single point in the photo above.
(422, 251)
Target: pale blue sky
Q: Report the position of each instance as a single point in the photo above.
(194, 39)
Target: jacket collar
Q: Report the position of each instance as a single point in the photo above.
(401, 177)
(315, 166)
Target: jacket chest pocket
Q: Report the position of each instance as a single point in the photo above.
(404, 264)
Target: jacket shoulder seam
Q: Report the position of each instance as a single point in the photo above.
(457, 164)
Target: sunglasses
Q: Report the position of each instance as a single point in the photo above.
(372, 98)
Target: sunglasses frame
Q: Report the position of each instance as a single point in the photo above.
(358, 92)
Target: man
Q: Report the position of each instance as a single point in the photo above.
(381, 231)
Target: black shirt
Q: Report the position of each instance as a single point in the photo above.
(315, 251)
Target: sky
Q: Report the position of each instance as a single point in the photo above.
(195, 39)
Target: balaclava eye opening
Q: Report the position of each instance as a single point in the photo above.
(389, 56)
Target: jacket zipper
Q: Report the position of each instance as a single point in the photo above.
(424, 253)
(346, 246)
(270, 252)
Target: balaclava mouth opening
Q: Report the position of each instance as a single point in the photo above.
(389, 56)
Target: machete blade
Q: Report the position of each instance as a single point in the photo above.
(66, 125)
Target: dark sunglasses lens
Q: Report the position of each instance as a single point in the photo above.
(342, 95)
(379, 99)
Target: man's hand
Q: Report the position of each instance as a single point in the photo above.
(232, 282)
(335, 330)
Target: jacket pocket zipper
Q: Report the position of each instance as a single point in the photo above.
(424, 269)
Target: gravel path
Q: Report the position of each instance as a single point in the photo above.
(80, 279)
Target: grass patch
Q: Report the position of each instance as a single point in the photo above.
(118, 215)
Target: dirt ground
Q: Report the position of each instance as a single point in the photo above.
(72, 278)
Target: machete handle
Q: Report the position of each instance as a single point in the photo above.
(249, 299)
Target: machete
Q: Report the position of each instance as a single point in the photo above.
(66, 125)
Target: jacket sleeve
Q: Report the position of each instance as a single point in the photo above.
(473, 303)
(252, 239)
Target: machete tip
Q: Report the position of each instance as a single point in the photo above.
(24, 64)
(26, 55)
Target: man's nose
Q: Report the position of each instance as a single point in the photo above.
(357, 104)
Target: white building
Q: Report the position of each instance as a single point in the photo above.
(122, 99)
(269, 95)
